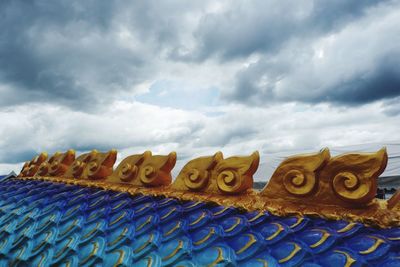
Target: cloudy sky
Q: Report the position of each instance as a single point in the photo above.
(196, 76)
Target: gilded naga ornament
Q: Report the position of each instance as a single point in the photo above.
(312, 184)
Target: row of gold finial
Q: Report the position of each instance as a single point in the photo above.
(341, 187)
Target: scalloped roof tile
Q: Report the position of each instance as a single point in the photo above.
(315, 211)
(46, 223)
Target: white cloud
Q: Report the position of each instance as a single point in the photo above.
(133, 127)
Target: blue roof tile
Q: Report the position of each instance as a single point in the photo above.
(68, 225)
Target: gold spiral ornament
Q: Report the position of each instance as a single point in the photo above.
(54, 166)
(93, 168)
(148, 175)
(32, 170)
(350, 187)
(196, 179)
(57, 168)
(229, 181)
(299, 183)
(128, 172)
(77, 168)
(43, 169)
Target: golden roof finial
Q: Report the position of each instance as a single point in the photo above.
(297, 176)
(196, 174)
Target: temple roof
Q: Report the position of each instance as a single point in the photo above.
(69, 211)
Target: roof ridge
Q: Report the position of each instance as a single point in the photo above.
(340, 187)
